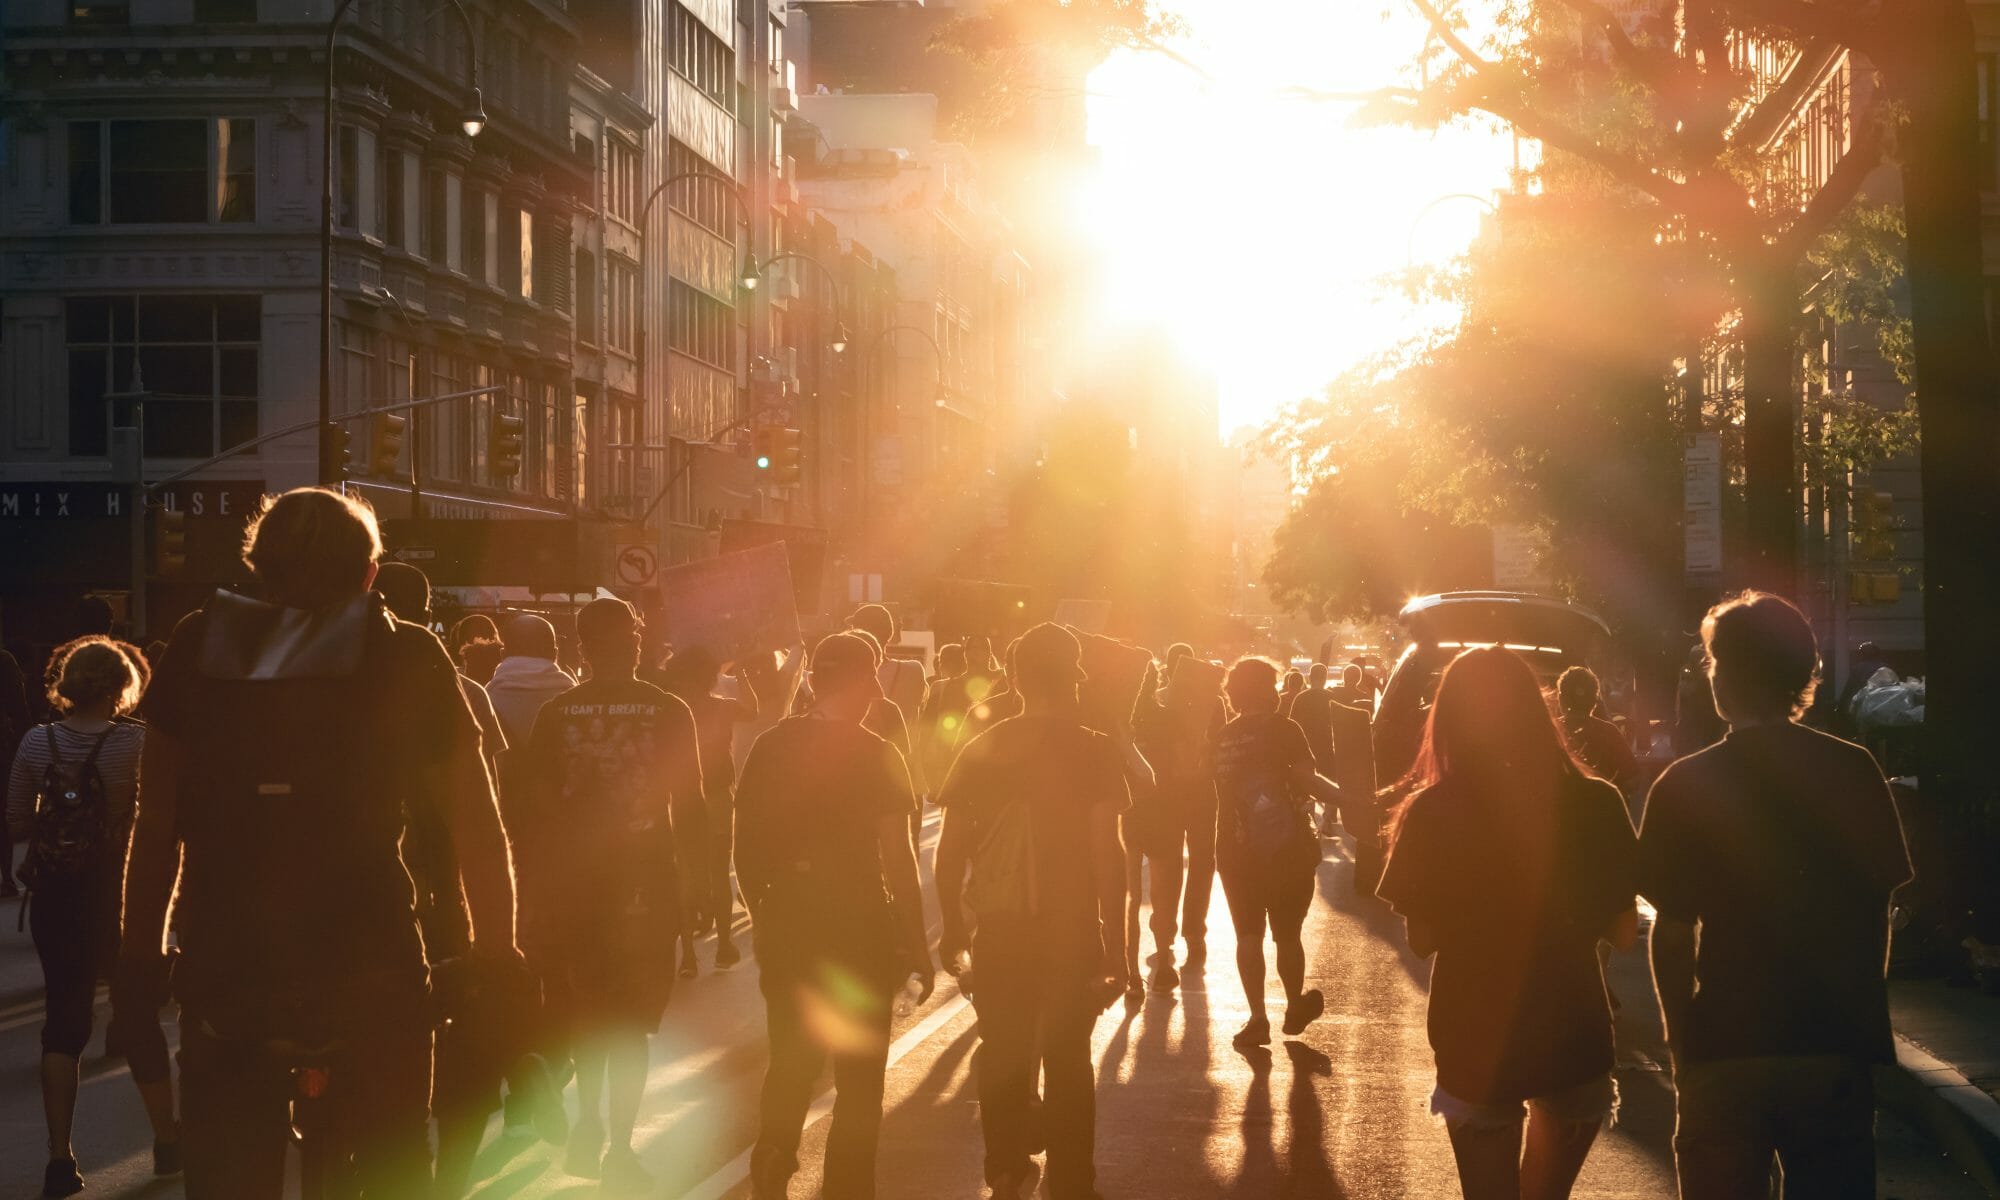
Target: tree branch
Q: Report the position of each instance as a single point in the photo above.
(1834, 21)
(1644, 61)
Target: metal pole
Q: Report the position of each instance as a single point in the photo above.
(136, 609)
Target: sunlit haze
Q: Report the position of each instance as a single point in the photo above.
(1257, 226)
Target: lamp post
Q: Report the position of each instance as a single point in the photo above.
(472, 120)
(838, 342)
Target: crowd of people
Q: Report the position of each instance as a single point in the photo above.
(405, 880)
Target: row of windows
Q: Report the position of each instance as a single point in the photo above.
(706, 202)
(701, 57)
(195, 356)
(119, 12)
(700, 326)
(137, 172)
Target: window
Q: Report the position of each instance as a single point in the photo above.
(526, 258)
(706, 202)
(1989, 121)
(622, 182)
(395, 229)
(585, 151)
(700, 56)
(162, 172)
(621, 328)
(699, 325)
(437, 220)
(580, 442)
(621, 437)
(99, 12)
(197, 355)
(225, 12)
(347, 178)
(777, 56)
(472, 228)
(586, 297)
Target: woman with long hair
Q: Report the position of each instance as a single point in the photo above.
(1509, 865)
(88, 760)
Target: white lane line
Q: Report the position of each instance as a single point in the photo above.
(32, 1012)
(738, 1169)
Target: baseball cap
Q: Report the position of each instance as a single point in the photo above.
(842, 656)
(605, 617)
(1050, 652)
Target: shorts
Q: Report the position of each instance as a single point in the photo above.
(1280, 894)
(1592, 1102)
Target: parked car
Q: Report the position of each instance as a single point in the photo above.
(1551, 633)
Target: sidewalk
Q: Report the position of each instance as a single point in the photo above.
(1947, 1076)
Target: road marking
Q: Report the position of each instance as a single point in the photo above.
(32, 1011)
(738, 1169)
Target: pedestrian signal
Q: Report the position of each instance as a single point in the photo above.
(169, 530)
(787, 457)
(385, 442)
(1872, 531)
(504, 445)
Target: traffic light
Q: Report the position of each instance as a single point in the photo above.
(763, 446)
(503, 447)
(334, 440)
(385, 442)
(169, 536)
(787, 457)
(1872, 528)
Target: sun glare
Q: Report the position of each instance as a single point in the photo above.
(1258, 227)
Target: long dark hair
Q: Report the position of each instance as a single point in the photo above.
(1490, 724)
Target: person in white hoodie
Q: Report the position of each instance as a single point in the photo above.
(528, 675)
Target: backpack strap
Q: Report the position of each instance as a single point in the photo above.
(90, 760)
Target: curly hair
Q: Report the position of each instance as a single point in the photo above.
(92, 669)
(311, 547)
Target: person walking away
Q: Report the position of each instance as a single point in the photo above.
(527, 676)
(1771, 857)
(69, 802)
(1697, 725)
(1183, 768)
(288, 736)
(902, 680)
(488, 1012)
(945, 703)
(692, 676)
(474, 630)
(1266, 850)
(1596, 744)
(610, 762)
(831, 880)
(1294, 683)
(984, 714)
(1311, 711)
(1509, 864)
(1033, 808)
(1354, 773)
(1155, 834)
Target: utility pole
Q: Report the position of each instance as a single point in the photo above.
(128, 463)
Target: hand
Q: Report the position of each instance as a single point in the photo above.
(142, 980)
(951, 946)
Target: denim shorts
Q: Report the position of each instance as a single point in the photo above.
(1592, 1102)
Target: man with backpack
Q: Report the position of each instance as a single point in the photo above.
(289, 736)
(824, 855)
(610, 764)
(1033, 806)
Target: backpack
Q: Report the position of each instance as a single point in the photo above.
(72, 823)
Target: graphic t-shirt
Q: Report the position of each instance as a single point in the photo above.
(1029, 786)
(612, 760)
(808, 807)
(1515, 890)
(1256, 758)
(1784, 844)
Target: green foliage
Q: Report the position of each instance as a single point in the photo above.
(1014, 49)
(1858, 263)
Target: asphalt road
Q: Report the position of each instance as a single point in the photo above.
(1340, 1113)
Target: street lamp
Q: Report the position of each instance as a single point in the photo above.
(838, 344)
(472, 120)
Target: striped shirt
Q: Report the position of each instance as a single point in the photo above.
(117, 767)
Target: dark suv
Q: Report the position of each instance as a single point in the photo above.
(1551, 634)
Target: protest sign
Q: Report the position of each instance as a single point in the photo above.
(734, 604)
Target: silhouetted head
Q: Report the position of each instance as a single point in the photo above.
(1252, 686)
(1763, 660)
(1317, 676)
(608, 629)
(91, 671)
(951, 660)
(875, 621)
(406, 590)
(312, 547)
(475, 628)
(843, 673)
(90, 614)
(1353, 676)
(1490, 723)
(1577, 690)
(874, 643)
(529, 636)
(1048, 665)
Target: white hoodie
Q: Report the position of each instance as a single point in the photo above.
(519, 688)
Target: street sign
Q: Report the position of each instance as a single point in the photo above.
(414, 553)
(636, 565)
(1701, 514)
(1520, 558)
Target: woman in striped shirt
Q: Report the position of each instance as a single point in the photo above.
(74, 918)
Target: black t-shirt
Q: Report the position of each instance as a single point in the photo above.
(1516, 891)
(612, 760)
(1312, 711)
(1784, 844)
(1261, 814)
(808, 809)
(1062, 772)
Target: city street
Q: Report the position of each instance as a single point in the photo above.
(1339, 1113)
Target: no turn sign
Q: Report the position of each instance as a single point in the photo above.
(636, 566)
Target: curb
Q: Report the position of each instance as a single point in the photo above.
(1934, 1097)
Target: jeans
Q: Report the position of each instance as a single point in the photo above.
(1815, 1113)
(1201, 867)
(235, 1124)
(798, 1052)
(1035, 1010)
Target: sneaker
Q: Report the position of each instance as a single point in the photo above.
(61, 1178)
(166, 1158)
(623, 1174)
(690, 966)
(1016, 1183)
(585, 1155)
(726, 953)
(1311, 1003)
(1256, 1033)
(1165, 978)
